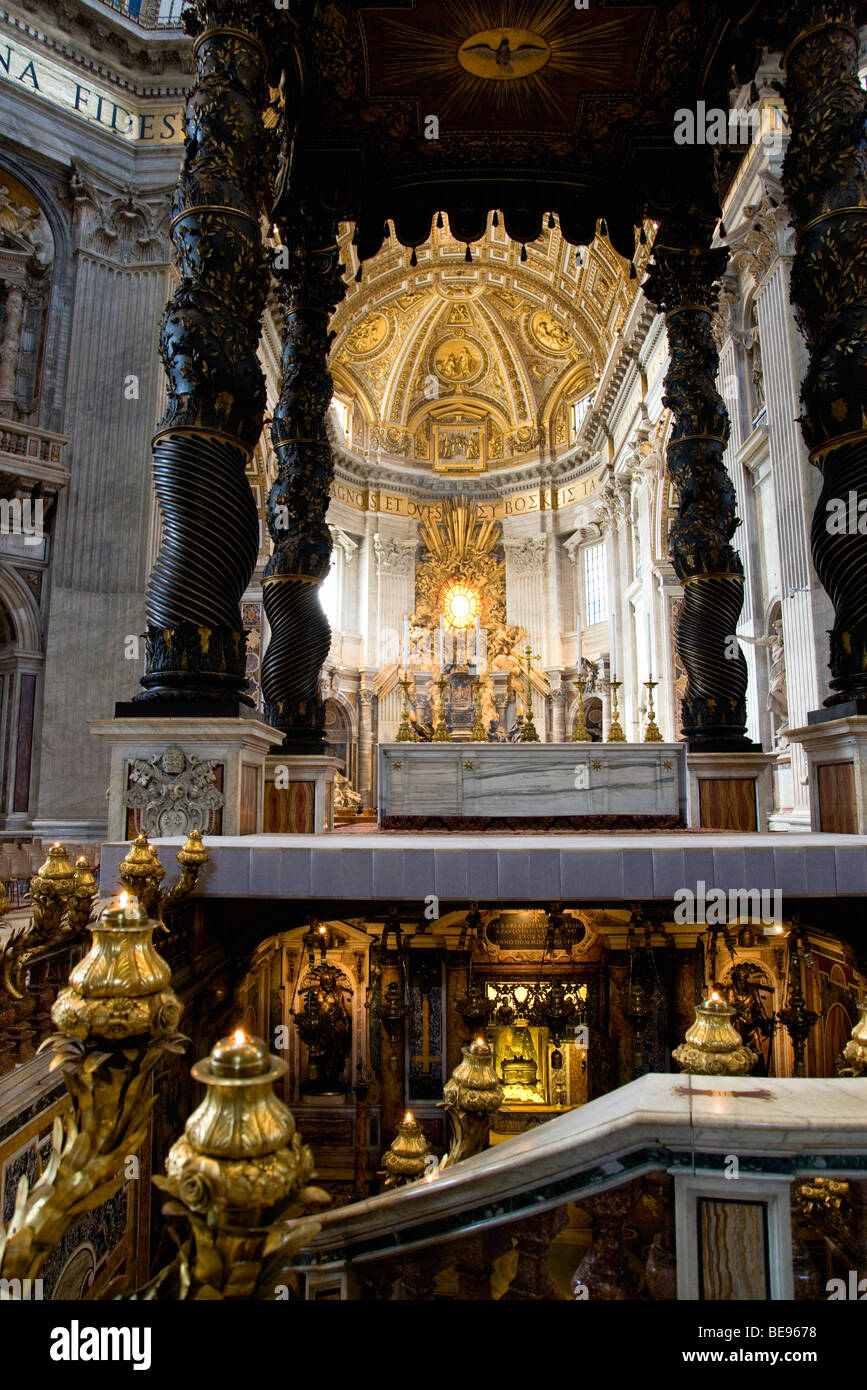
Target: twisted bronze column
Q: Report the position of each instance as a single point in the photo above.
(195, 640)
(683, 283)
(825, 181)
(310, 287)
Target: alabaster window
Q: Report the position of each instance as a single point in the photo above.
(343, 413)
(329, 590)
(579, 410)
(595, 585)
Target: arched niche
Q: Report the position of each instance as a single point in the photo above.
(27, 253)
(21, 664)
(271, 992)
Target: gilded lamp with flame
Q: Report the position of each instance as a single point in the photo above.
(713, 1046)
(122, 988)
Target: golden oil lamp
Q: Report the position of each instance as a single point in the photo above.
(713, 1046)
(474, 1084)
(240, 1149)
(141, 873)
(56, 877)
(121, 987)
(141, 869)
(470, 1097)
(406, 1160)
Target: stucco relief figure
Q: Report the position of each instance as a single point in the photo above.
(777, 702)
(174, 793)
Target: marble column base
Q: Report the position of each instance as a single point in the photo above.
(730, 791)
(238, 747)
(836, 752)
(299, 793)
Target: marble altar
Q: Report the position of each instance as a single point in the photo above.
(621, 785)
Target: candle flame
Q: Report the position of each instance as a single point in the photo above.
(321, 931)
(715, 997)
(239, 1036)
(480, 1042)
(123, 900)
(407, 1119)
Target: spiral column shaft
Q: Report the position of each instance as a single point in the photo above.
(825, 181)
(196, 645)
(684, 285)
(310, 287)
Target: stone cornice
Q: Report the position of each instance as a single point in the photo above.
(155, 63)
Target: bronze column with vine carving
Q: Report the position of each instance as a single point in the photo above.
(196, 645)
(683, 283)
(825, 181)
(310, 287)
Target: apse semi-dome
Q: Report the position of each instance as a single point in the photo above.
(463, 367)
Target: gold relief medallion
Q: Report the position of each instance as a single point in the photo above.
(549, 333)
(504, 54)
(368, 336)
(458, 315)
(458, 360)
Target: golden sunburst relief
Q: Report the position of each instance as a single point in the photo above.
(502, 60)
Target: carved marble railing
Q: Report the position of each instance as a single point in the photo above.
(32, 456)
(148, 14)
(641, 1158)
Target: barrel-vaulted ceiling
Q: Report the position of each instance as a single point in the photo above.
(407, 107)
(467, 367)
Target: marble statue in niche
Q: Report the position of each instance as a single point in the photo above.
(777, 702)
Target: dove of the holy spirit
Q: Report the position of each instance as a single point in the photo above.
(504, 54)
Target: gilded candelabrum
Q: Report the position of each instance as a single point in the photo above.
(478, 735)
(651, 733)
(441, 732)
(405, 733)
(855, 1051)
(470, 1097)
(615, 733)
(407, 1159)
(580, 734)
(528, 733)
(117, 1018)
(141, 874)
(713, 1047)
(63, 898)
(230, 1175)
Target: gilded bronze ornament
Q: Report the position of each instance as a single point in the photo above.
(405, 733)
(615, 732)
(117, 1018)
(651, 732)
(713, 1047)
(470, 1097)
(238, 1162)
(141, 873)
(441, 731)
(63, 898)
(580, 734)
(528, 733)
(407, 1158)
